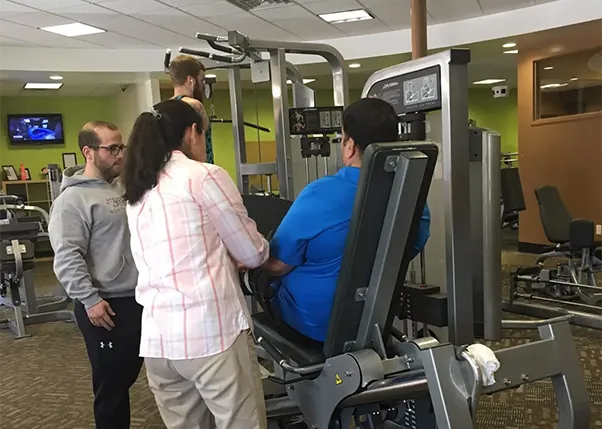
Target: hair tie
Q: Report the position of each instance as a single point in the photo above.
(156, 114)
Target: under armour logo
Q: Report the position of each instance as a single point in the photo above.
(109, 345)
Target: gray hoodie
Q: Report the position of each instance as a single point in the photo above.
(89, 235)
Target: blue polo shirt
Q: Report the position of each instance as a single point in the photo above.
(312, 238)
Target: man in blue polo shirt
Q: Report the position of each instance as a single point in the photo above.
(307, 249)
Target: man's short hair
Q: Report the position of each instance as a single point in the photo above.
(89, 137)
(370, 120)
(183, 66)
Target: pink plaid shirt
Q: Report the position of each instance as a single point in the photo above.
(186, 234)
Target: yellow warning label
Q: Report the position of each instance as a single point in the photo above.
(337, 379)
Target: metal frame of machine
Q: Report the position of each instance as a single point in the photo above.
(240, 47)
(453, 74)
(28, 308)
(366, 369)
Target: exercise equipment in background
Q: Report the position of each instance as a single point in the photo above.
(17, 254)
(570, 287)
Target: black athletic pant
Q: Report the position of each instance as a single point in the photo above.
(114, 358)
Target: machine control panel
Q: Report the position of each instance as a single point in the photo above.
(415, 92)
(315, 120)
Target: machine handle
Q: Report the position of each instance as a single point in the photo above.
(208, 55)
(277, 356)
(167, 60)
(211, 38)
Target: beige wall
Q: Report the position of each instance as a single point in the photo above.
(565, 152)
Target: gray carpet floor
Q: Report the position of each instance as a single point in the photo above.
(45, 379)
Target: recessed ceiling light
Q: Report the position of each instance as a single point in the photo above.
(211, 76)
(56, 77)
(42, 85)
(73, 30)
(514, 51)
(347, 16)
(548, 68)
(488, 81)
(509, 45)
(355, 65)
(574, 78)
(305, 81)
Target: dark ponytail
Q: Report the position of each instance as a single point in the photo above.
(154, 137)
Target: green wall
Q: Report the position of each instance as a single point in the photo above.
(257, 108)
(75, 110)
(497, 114)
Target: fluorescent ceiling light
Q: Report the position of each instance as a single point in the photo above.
(355, 65)
(574, 78)
(73, 30)
(211, 76)
(553, 85)
(488, 81)
(347, 16)
(514, 51)
(42, 85)
(56, 77)
(548, 68)
(305, 81)
(509, 45)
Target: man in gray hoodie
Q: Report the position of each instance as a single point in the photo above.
(92, 259)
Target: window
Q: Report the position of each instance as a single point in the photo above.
(569, 84)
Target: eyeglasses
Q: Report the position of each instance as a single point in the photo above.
(114, 149)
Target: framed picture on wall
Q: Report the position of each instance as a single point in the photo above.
(10, 172)
(69, 160)
(27, 174)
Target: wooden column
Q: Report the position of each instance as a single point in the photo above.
(418, 13)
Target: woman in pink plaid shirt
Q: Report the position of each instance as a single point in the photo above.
(189, 233)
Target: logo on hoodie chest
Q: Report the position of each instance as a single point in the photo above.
(115, 204)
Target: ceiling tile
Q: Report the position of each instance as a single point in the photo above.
(178, 3)
(48, 5)
(86, 14)
(447, 11)
(394, 13)
(282, 12)
(132, 27)
(9, 41)
(180, 22)
(130, 7)
(8, 8)
(309, 28)
(40, 37)
(328, 6)
(114, 40)
(39, 19)
(363, 27)
(210, 10)
(496, 6)
(252, 26)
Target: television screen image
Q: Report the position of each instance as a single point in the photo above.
(36, 129)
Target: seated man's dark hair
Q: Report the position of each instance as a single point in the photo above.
(370, 120)
(154, 136)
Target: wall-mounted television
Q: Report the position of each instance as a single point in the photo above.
(36, 129)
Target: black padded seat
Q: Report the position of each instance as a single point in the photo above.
(15, 229)
(7, 260)
(267, 212)
(301, 349)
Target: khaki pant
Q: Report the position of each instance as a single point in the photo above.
(222, 391)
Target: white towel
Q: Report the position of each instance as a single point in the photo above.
(486, 359)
